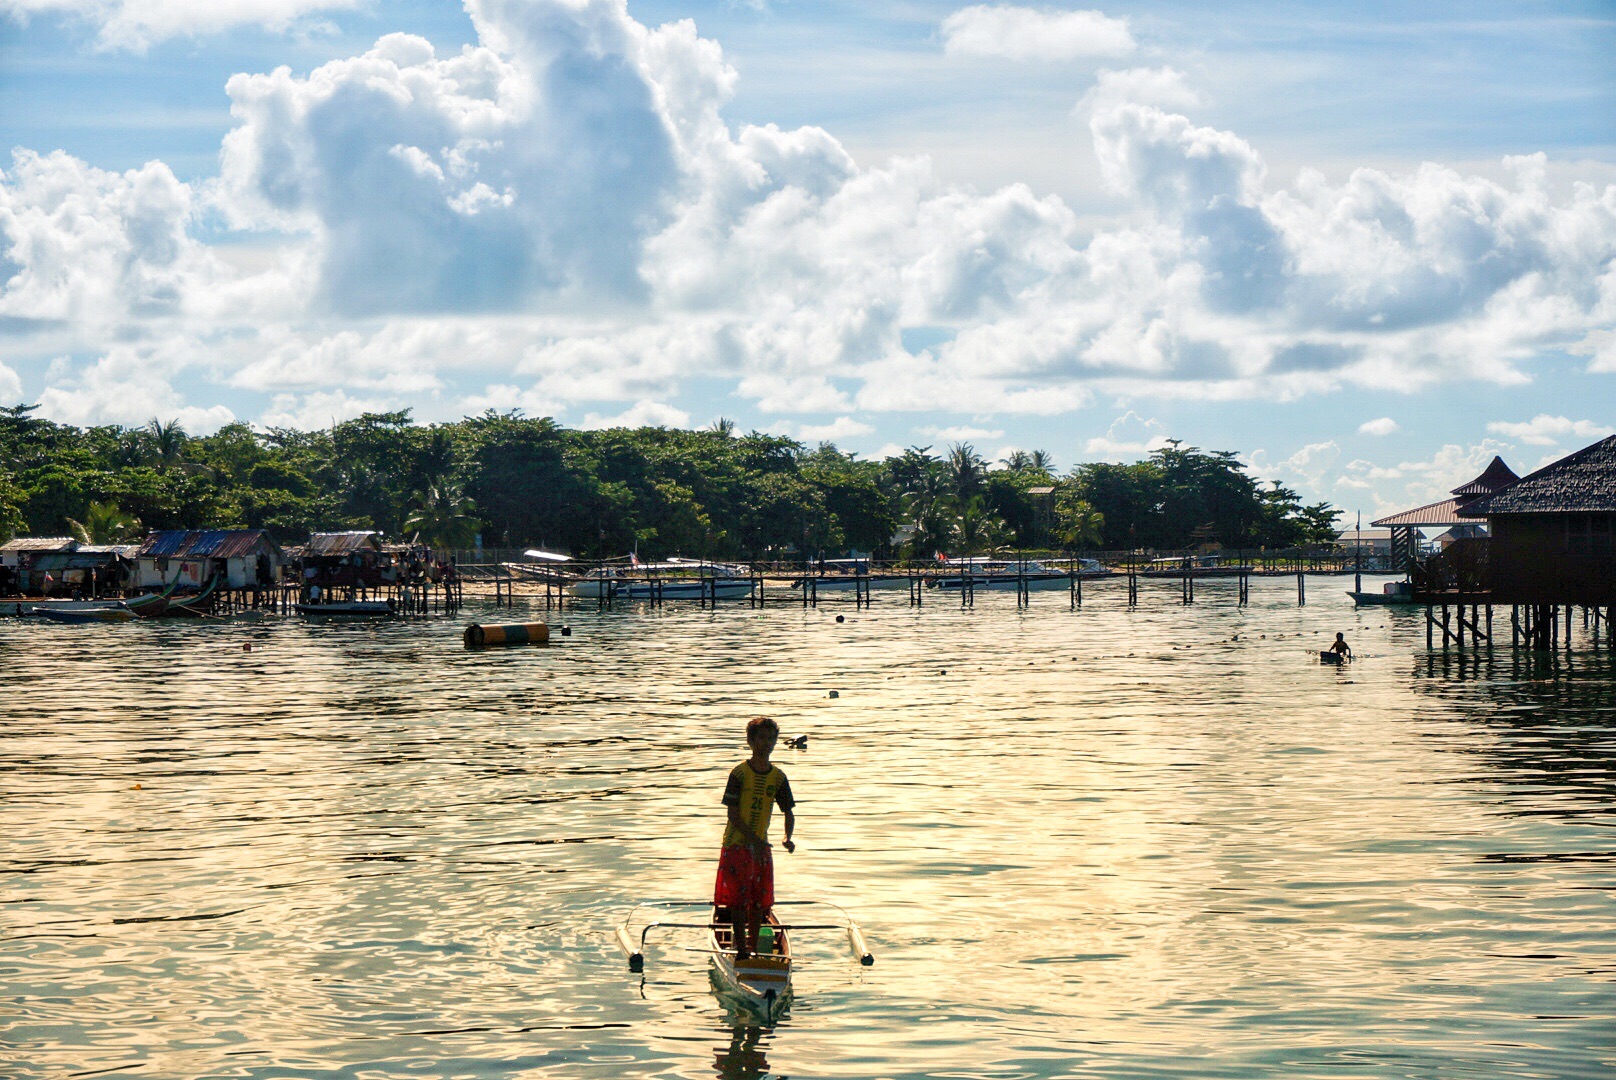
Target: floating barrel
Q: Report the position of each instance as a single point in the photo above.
(535, 633)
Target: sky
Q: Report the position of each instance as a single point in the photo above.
(1366, 246)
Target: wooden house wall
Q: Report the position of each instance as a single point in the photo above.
(1567, 558)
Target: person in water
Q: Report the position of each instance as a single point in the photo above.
(745, 882)
(1341, 648)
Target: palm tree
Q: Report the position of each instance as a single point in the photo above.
(1077, 523)
(1040, 461)
(977, 527)
(444, 516)
(165, 443)
(1017, 461)
(722, 426)
(965, 469)
(104, 523)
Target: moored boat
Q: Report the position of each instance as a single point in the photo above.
(1393, 592)
(83, 615)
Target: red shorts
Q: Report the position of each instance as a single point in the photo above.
(745, 882)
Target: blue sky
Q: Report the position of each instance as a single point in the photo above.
(1366, 246)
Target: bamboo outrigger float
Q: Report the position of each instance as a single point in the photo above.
(761, 982)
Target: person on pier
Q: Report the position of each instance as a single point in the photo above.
(745, 884)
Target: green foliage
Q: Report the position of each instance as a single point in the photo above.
(104, 523)
(519, 481)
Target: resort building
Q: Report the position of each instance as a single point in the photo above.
(1406, 525)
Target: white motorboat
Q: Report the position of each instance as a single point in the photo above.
(675, 579)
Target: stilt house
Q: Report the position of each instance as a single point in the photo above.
(1553, 536)
(235, 558)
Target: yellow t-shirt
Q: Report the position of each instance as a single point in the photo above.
(755, 794)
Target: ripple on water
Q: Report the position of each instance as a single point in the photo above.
(1156, 842)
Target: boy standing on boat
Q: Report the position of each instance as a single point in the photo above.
(745, 882)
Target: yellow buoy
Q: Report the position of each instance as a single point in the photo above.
(535, 633)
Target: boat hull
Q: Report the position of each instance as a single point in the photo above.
(760, 983)
(87, 615)
(1370, 599)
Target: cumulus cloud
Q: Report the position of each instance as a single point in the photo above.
(843, 427)
(1546, 430)
(321, 409)
(10, 384)
(1311, 464)
(1023, 33)
(1129, 435)
(960, 433)
(560, 215)
(128, 386)
(1421, 481)
(1385, 425)
(138, 24)
(640, 414)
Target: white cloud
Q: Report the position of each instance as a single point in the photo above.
(1423, 481)
(127, 386)
(1023, 33)
(321, 409)
(843, 427)
(1310, 464)
(10, 385)
(1546, 430)
(561, 214)
(1129, 435)
(137, 24)
(960, 433)
(640, 414)
(1385, 425)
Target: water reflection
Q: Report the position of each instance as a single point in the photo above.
(1150, 842)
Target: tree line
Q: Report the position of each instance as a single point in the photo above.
(517, 481)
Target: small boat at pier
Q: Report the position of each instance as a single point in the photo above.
(85, 614)
(1392, 593)
(850, 575)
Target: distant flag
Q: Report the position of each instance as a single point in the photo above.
(941, 557)
(634, 558)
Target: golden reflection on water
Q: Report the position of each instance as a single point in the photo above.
(1154, 842)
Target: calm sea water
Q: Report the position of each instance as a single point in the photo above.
(1159, 842)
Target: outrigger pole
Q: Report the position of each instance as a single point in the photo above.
(636, 956)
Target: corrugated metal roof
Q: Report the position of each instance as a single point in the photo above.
(204, 543)
(1445, 512)
(39, 543)
(343, 543)
(1578, 483)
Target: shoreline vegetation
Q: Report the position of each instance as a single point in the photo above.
(510, 480)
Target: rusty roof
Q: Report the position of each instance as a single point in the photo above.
(205, 543)
(1581, 482)
(342, 543)
(39, 543)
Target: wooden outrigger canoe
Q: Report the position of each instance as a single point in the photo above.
(762, 982)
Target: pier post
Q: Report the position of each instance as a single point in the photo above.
(1301, 592)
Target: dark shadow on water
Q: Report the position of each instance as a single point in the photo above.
(1543, 724)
